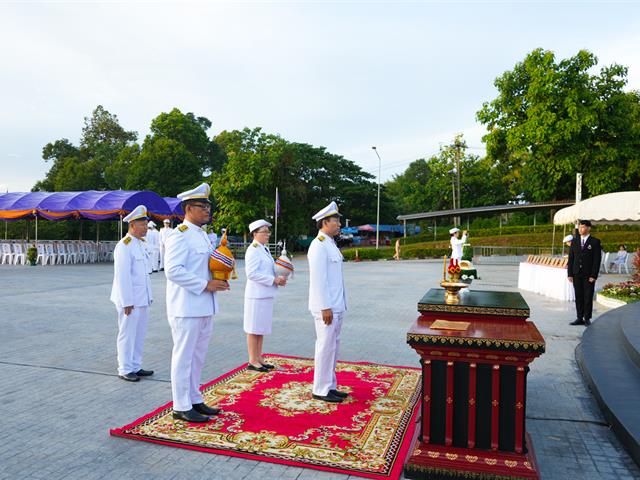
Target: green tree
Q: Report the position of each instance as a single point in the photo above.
(84, 167)
(553, 119)
(164, 166)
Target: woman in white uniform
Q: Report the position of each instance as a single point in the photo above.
(262, 284)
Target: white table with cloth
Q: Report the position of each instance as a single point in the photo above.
(545, 280)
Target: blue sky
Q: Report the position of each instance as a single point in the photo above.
(404, 76)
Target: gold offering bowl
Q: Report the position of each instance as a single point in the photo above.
(452, 291)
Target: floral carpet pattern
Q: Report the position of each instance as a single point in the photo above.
(273, 417)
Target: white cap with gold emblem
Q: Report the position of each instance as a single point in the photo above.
(140, 212)
(454, 230)
(199, 193)
(331, 209)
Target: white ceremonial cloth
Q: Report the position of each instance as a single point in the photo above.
(326, 283)
(545, 280)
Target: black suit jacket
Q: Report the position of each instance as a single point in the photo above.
(585, 260)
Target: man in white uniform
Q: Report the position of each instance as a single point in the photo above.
(457, 243)
(327, 302)
(131, 294)
(191, 304)
(153, 239)
(164, 234)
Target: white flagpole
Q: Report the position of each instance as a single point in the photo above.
(276, 222)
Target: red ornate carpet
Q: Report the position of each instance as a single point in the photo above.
(273, 417)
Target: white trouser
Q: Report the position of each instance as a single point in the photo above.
(155, 259)
(327, 343)
(191, 337)
(132, 329)
(162, 257)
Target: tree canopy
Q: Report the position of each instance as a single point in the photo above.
(552, 119)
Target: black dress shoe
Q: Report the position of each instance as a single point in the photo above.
(190, 416)
(144, 373)
(587, 321)
(338, 393)
(205, 409)
(129, 377)
(257, 369)
(328, 398)
(577, 322)
(268, 366)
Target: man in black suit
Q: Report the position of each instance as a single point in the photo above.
(584, 264)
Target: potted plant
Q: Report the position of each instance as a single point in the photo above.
(32, 255)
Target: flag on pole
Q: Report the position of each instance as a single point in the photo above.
(277, 203)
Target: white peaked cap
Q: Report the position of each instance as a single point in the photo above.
(199, 193)
(331, 209)
(151, 224)
(257, 224)
(136, 214)
(454, 230)
(568, 238)
(166, 220)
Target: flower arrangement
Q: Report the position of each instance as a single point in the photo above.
(626, 291)
(32, 255)
(454, 267)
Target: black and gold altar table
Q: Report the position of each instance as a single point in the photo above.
(474, 356)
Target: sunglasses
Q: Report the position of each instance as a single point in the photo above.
(203, 206)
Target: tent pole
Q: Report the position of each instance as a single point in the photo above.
(80, 234)
(36, 229)
(434, 229)
(120, 228)
(97, 232)
(564, 229)
(553, 238)
(6, 229)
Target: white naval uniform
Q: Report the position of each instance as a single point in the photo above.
(456, 246)
(326, 290)
(153, 238)
(131, 287)
(164, 234)
(190, 308)
(259, 290)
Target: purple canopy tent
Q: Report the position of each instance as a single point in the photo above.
(91, 205)
(176, 208)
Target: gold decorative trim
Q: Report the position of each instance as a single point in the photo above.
(511, 312)
(478, 342)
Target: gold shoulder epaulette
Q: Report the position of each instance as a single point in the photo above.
(321, 238)
(183, 227)
(127, 240)
(143, 239)
(255, 244)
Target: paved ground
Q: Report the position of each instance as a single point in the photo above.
(60, 394)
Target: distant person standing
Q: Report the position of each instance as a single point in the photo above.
(585, 255)
(327, 303)
(164, 234)
(191, 304)
(153, 240)
(457, 243)
(131, 294)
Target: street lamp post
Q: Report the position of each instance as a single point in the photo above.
(378, 212)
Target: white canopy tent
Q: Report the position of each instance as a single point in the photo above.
(610, 208)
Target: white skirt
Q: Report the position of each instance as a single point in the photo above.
(258, 315)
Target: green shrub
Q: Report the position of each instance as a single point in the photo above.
(368, 253)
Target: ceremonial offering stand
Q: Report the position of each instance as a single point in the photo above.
(474, 356)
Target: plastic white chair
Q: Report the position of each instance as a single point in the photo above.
(19, 254)
(621, 265)
(61, 251)
(72, 252)
(92, 252)
(82, 252)
(51, 252)
(7, 254)
(42, 257)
